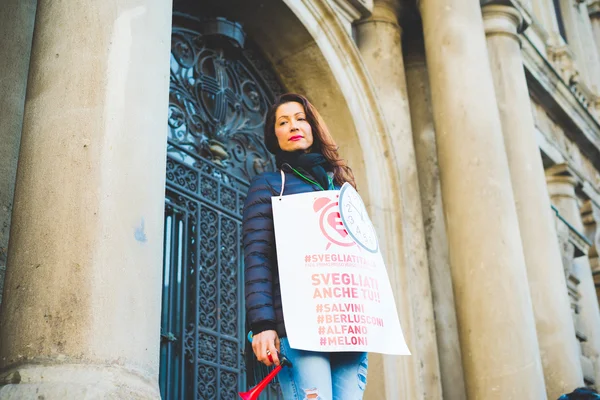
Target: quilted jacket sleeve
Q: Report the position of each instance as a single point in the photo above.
(259, 255)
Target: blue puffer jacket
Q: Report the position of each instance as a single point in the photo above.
(263, 295)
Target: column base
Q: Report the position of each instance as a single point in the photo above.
(75, 381)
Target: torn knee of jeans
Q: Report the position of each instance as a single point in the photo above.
(311, 394)
(362, 373)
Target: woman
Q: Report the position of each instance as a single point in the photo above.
(305, 151)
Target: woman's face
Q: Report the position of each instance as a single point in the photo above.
(292, 128)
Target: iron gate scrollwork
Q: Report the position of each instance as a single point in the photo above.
(217, 104)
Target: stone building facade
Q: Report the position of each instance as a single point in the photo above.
(130, 131)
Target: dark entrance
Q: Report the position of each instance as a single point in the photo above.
(217, 102)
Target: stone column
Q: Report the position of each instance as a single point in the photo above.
(561, 186)
(81, 313)
(500, 351)
(592, 54)
(579, 37)
(419, 96)
(590, 213)
(379, 41)
(555, 331)
(594, 12)
(16, 32)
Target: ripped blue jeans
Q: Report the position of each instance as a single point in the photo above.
(323, 376)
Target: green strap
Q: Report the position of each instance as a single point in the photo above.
(313, 182)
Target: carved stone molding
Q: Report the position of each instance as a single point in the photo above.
(562, 184)
(564, 174)
(563, 60)
(548, 84)
(562, 169)
(350, 11)
(562, 57)
(586, 96)
(581, 245)
(382, 12)
(525, 15)
(590, 213)
(362, 7)
(502, 20)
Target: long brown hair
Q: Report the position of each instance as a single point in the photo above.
(322, 140)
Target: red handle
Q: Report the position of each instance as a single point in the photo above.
(253, 393)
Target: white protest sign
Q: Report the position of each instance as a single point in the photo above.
(335, 289)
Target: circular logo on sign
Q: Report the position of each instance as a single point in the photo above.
(330, 222)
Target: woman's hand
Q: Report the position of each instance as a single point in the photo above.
(264, 344)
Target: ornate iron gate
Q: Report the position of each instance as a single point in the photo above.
(217, 103)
